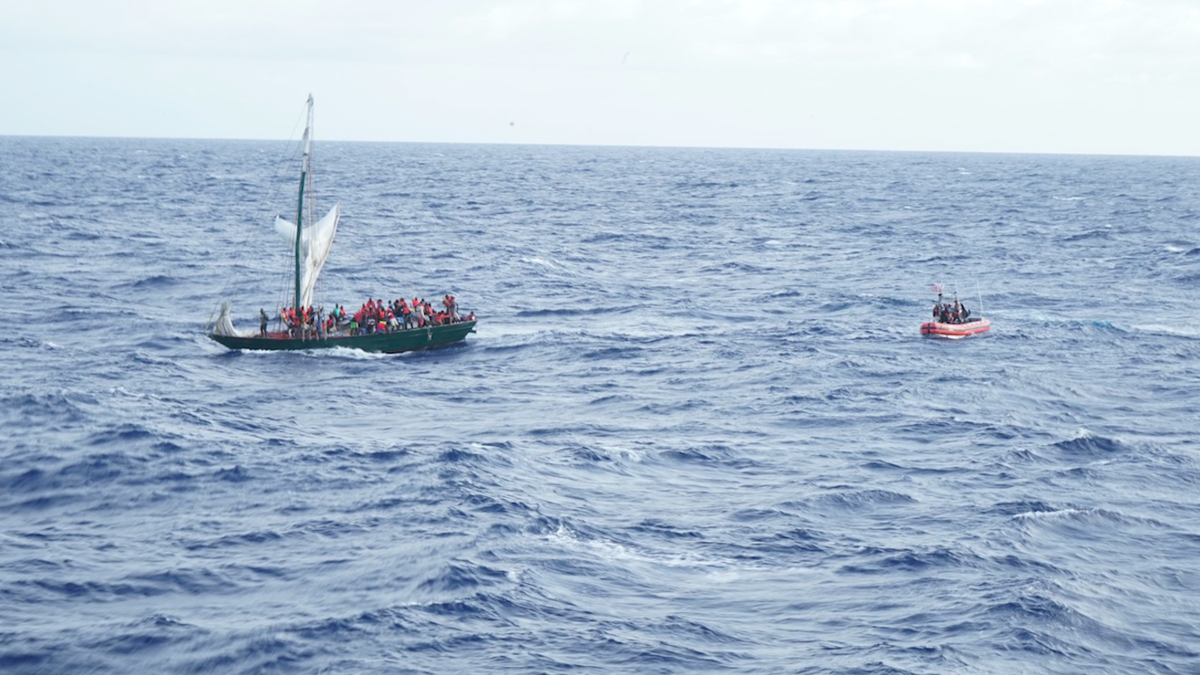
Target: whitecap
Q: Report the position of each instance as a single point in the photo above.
(1172, 330)
(534, 260)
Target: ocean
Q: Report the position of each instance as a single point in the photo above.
(696, 431)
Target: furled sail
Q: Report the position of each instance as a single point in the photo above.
(224, 325)
(315, 242)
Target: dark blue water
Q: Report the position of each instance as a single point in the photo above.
(697, 430)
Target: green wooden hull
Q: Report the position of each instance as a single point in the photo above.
(391, 343)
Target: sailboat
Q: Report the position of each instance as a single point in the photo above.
(311, 246)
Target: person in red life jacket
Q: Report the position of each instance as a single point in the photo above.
(451, 310)
(406, 315)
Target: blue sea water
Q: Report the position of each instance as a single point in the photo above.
(696, 431)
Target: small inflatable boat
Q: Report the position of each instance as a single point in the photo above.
(955, 331)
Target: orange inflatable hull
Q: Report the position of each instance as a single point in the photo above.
(955, 331)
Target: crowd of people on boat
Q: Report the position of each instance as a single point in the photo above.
(950, 312)
(374, 316)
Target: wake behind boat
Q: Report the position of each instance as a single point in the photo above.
(377, 326)
(952, 320)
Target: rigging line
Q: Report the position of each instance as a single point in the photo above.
(277, 184)
(264, 205)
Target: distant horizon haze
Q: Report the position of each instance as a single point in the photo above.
(607, 145)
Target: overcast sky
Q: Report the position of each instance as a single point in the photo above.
(1074, 76)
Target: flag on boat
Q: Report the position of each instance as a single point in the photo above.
(936, 288)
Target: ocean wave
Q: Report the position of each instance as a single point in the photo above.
(122, 435)
(863, 499)
(1092, 445)
(928, 562)
(572, 311)
(155, 281)
(1090, 235)
(654, 241)
(695, 424)
(711, 454)
(64, 407)
(461, 575)
(1172, 330)
(1090, 517)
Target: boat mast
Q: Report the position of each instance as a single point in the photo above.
(304, 168)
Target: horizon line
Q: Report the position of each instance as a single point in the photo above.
(618, 145)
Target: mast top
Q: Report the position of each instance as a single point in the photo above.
(308, 133)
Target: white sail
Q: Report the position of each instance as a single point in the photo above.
(316, 240)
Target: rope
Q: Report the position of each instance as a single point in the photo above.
(263, 207)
